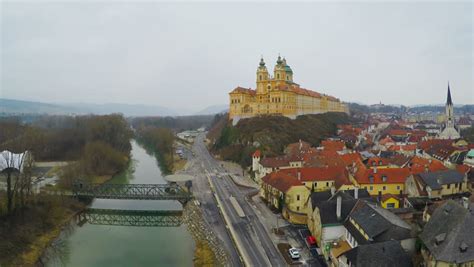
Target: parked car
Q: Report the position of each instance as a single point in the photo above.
(294, 253)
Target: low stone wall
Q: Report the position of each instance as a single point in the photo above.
(201, 231)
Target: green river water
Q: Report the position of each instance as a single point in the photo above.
(103, 246)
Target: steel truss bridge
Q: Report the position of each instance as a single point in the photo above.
(142, 218)
(132, 191)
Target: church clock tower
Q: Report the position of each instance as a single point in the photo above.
(449, 110)
(449, 130)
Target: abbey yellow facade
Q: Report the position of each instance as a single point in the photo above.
(279, 95)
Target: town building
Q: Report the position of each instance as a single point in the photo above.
(327, 212)
(381, 181)
(448, 237)
(279, 95)
(293, 158)
(289, 189)
(368, 223)
(437, 184)
(388, 254)
(449, 129)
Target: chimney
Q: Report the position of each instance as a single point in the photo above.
(301, 144)
(356, 192)
(333, 190)
(338, 207)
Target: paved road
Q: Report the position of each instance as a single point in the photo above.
(254, 239)
(203, 193)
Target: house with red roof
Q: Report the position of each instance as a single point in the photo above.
(387, 141)
(378, 162)
(288, 189)
(405, 149)
(380, 181)
(294, 157)
(418, 165)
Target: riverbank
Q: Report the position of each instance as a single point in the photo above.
(27, 234)
(38, 226)
(208, 250)
(166, 166)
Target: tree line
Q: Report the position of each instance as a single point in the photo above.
(160, 141)
(97, 145)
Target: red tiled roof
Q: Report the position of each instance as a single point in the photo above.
(335, 145)
(302, 91)
(399, 160)
(298, 148)
(323, 158)
(351, 158)
(418, 165)
(415, 138)
(419, 133)
(386, 140)
(281, 181)
(310, 174)
(275, 162)
(426, 144)
(243, 91)
(441, 152)
(393, 175)
(377, 161)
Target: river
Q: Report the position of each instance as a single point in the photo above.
(102, 246)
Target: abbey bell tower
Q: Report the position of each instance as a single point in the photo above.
(262, 77)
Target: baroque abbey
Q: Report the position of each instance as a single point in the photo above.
(279, 95)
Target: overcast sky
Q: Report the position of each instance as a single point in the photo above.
(192, 55)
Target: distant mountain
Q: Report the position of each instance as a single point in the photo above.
(12, 106)
(213, 110)
(126, 109)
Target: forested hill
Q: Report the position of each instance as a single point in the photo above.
(270, 134)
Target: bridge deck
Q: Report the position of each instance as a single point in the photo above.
(132, 191)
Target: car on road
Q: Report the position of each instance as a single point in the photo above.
(294, 253)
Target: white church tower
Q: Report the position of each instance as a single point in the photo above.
(449, 131)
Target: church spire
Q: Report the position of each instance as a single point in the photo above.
(449, 101)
